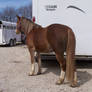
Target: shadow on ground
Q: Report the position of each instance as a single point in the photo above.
(83, 76)
(17, 45)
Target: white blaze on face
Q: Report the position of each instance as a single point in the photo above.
(17, 32)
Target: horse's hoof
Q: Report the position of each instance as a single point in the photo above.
(73, 85)
(31, 74)
(39, 73)
(59, 82)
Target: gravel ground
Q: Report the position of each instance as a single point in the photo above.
(15, 66)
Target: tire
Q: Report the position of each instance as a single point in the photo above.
(11, 43)
(14, 42)
(23, 41)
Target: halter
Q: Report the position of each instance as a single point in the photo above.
(19, 26)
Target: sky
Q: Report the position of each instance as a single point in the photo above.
(13, 3)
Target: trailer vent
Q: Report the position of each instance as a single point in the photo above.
(0, 22)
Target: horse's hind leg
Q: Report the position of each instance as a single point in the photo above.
(74, 82)
(60, 59)
(39, 63)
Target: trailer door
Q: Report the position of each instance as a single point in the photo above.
(0, 34)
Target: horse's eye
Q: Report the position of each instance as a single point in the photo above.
(20, 23)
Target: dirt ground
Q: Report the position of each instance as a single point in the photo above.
(15, 66)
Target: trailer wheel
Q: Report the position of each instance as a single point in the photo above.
(11, 43)
(14, 42)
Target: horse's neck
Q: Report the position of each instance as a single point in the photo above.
(30, 26)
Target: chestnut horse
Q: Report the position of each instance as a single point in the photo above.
(56, 37)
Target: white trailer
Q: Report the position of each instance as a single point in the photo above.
(76, 14)
(8, 34)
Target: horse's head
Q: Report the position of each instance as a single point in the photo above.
(24, 25)
(19, 25)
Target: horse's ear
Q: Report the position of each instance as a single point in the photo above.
(18, 17)
(22, 17)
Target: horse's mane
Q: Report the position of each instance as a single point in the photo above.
(27, 19)
(30, 22)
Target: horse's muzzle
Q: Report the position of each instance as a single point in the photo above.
(17, 31)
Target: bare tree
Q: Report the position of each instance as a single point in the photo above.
(9, 13)
(25, 11)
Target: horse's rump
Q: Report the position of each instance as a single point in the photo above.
(62, 39)
(57, 36)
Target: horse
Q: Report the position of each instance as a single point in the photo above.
(58, 38)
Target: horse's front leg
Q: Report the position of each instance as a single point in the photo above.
(32, 54)
(38, 58)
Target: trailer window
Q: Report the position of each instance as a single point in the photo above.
(11, 27)
(14, 27)
(7, 27)
(4, 26)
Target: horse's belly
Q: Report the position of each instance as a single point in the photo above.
(43, 48)
(40, 41)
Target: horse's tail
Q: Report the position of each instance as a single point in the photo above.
(70, 58)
